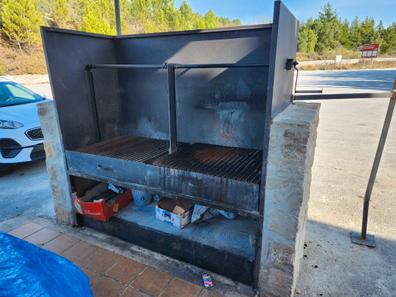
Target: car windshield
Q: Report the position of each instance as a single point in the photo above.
(13, 94)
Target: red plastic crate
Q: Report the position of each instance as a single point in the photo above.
(101, 210)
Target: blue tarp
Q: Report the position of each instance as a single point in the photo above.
(27, 270)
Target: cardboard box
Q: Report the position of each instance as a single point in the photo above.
(101, 209)
(174, 212)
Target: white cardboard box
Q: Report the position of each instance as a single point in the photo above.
(173, 212)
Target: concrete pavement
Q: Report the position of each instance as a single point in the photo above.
(348, 135)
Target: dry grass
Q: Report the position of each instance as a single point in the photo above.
(329, 55)
(362, 64)
(14, 61)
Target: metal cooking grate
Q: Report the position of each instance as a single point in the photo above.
(35, 134)
(129, 148)
(234, 163)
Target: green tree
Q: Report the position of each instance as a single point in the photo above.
(21, 22)
(307, 37)
(388, 38)
(344, 35)
(368, 33)
(328, 29)
(98, 16)
(355, 37)
(153, 15)
(186, 16)
(210, 20)
(61, 15)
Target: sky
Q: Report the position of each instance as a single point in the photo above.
(259, 11)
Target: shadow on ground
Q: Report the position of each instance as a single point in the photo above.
(333, 266)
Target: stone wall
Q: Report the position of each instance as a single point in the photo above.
(290, 158)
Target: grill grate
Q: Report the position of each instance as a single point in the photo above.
(234, 163)
(35, 134)
(129, 148)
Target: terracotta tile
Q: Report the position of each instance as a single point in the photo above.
(106, 287)
(42, 236)
(133, 292)
(152, 281)
(79, 252)
(125, 270)
(181, 288)
(26, 230)
(100, 261)
(210, 293)
(93, 276)
(60, 244)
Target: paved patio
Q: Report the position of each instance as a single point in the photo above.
(110, 273)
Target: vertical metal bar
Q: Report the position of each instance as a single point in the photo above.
(377, 159)
(172, 109)
(93, 103)
(117, 16)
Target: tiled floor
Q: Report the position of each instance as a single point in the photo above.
(110, 274)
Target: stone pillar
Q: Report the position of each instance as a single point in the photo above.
(56, 164)
(290, 158)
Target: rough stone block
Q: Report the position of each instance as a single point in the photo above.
(290, 158)
(56, 164)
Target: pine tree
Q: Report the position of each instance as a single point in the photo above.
(96, 18)
(307, 37)
(367, 31)
(328, 29)
(61, 15)
(344, 35)
(187, 16)
(21, 22)
(355, 37)
(210, 20)
(388, 38)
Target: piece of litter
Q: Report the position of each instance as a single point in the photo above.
(207, 280)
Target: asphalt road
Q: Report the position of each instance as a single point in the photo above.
(348, 134)
(348, 80)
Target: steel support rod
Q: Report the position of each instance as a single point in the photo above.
(120, 66)
(377, 160)
(172, 109)
(227, 65)
(318, 91)
(117, 16)
(93, 103)
(364, 238)
(325, 96)
(176, 66)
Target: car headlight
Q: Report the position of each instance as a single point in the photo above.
(10, 124)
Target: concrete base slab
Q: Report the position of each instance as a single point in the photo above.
(369, 241)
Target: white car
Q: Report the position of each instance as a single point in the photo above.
(21, 139)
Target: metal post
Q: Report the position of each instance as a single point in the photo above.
(117, 16)
(172, 109)
(364, 238)
(93, 103)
